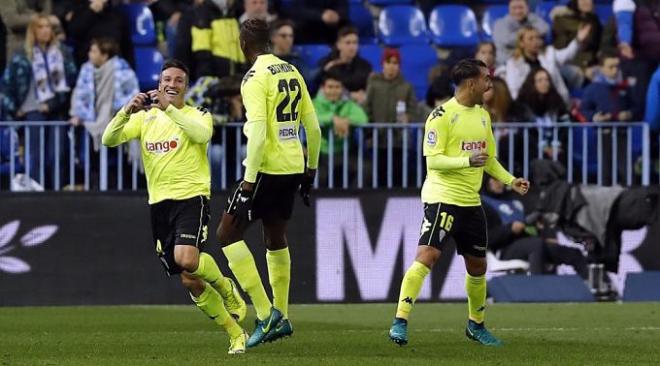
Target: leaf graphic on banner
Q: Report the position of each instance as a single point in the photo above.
(13, 265)
(38, 235)
(8, 231)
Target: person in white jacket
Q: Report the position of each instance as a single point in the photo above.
(530, 52)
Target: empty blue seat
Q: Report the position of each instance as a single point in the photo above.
(491, 15)
(372, 53)
(312, 53)
(453, 26)
(544, 8)
(141, 20)
(416, 62)
(402, 24)
(147, 67)
(604, 12)
(363, 21)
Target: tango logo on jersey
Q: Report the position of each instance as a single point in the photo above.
(161, 147)
(288, 133)
(473, 145)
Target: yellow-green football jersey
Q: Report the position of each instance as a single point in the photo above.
(276, 101)
(456, 131)
(176, 167)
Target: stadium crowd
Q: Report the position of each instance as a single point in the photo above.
(76, 60)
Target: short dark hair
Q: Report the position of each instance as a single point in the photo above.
(178, 64)
(331, 75)
(279, 23)
(346, 30)
(255, 33)
(604, 55)
(107, 46)
(466, 69)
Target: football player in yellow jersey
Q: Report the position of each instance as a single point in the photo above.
(174, 138)
(458, 146)
(276, 101)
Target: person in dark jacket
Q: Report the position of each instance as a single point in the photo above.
(317, 21)
(345, 61)
(281, 38)
(98, 19)
(608, 99)
(566, 22)
(511, 237)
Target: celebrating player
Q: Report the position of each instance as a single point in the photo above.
(174, 139)
(458, 147)
(276, 100)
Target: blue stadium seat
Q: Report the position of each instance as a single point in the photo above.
(402, 24)
(148, 67)
(416, 62)
(453, 26)
(141, 20)
(363, 21)
(312, 53)
(389, 2)
(491, 15)
(544, 8)
(373, 54)
(604, 12)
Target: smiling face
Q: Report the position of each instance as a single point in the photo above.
(173, 85)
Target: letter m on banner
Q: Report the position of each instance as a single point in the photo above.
(341, 231)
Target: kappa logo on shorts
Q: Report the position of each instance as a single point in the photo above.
(432, 137)
(426, 225)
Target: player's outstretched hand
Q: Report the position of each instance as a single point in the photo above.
(478, 159)
(306, 185)
(243, 207)
(520, 185)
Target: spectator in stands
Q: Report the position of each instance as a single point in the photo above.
(37, 83)
(506, 29)
(8, 140)
(16, 15)
(547, 107)
(256, 9)
(607, 99)
(105, 84)
(566, 20)
(91, 19)
(530, 53)
(486, 53)
(317, 21)
(440, 90)
(511, 237)
(390, 98)
(3, 48)
(503, 109)
(213, 48)
(281, 39)
(344, 61)
(168, 12)
(336, 113)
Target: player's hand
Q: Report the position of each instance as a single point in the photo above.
(242, 211)
(520, 185)
(306, 185)
(136, 104)
(478, 159)
(158, 100)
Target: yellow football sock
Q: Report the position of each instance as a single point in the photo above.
(475, 286)
(242, 264)
(208, 271)
(279, 274)
(210, 303)
(410, 287)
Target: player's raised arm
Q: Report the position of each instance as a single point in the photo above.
(126, 123)
(197, 125)
(254, 98)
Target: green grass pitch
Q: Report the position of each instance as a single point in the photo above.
(534, 334)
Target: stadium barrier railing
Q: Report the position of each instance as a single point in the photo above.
(377, 155)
